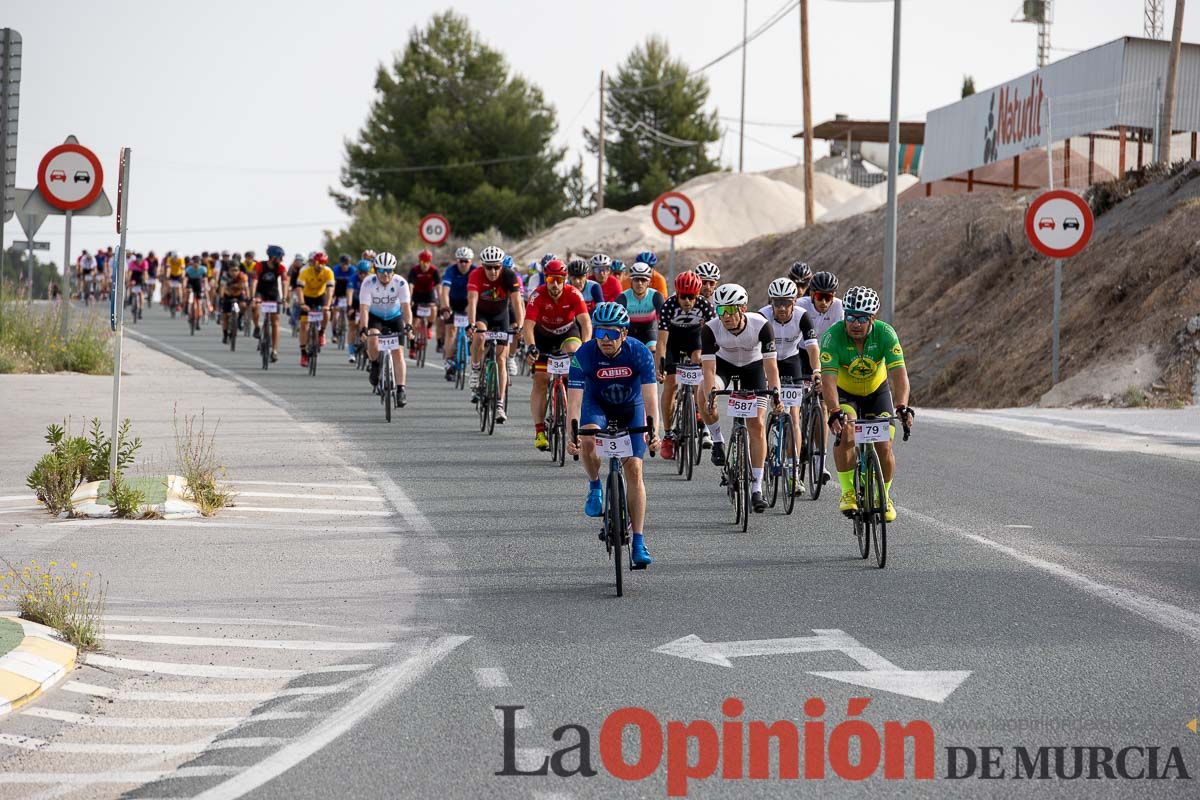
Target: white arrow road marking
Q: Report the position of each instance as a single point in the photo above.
(881, 674)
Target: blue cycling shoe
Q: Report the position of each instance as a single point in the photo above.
(594, 507)
(637, 553)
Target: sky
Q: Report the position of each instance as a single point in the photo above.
(237, 111)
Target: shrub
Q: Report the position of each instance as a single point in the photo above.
(195, 450)
(31, 340)
(126, 499)
(74, 460)
(71, 602)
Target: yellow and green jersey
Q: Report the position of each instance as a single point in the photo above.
(862, 373)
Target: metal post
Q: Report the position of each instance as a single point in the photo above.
(1057, 308)
(29, 258)
(742, 124)
(1049, 149)
(671, 263)
(889, 234)
(809, 207)
(118, 301)
(4, 77)
(1168, 115)
(66, 287)
(600, 151)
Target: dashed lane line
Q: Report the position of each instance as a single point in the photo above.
(138, 777)
(215, 671)
(217, 621)
(105, 721)
(257, 644)
(357, 498)
(100, 748)
(302, 484)
(79, 687)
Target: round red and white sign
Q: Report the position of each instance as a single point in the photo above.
(70, 177)
(434, 229)
(1059, 223)
(673, 213)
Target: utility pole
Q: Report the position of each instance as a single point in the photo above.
(1168, 116)
(600, 151)
(889, 233)
(805, 83)
(742, 125)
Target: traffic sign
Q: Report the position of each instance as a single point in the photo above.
(70, 176)
(434, 229)
(30, 221)
(20, 245)
(1059, 223)
(673, 213)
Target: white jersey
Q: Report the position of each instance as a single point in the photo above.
(822, 322)
(754, 343)
(386, 302)
(792, 335)
(87, 263)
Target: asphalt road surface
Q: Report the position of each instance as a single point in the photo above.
(1035, 596)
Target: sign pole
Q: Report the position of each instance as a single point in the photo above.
(671, 262)
(1057, 307)
(118, 301)
(890, 223)
(29, 259)
(66, 287)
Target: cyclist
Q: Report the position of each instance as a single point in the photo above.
(797, 351)
(643, 304)
(533, 277)
(196, 274)
(314, 290)
(85, 270)
(385, 307)
(618, 271)
(151, 277)
(137, 269)
(556, 322)
(362, 271)
(234, 290)
(293, 275)
(423, 282)
(602, 273)
(679, 323)
(822, 305)
(612, 380)
(103, 259)
(511, 361)
(801, 274)
(866, 356)
(493, 304)
(657, 281)
(577, 276)
(453, 300)
(175, 275)
(268, 288)
(710, 275)
(343, 274)
(738, 342)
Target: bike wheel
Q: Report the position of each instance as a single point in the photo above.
(492, 381)
(789, 463)
(774, 463)
(691, 435)
(862, 530)
(877, 498)
(743, 444)
(560, 422)
(814, 445)
(312, 357)
(233, 332)
(615, 498)
(677, 430)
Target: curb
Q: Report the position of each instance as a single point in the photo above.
(37, 663)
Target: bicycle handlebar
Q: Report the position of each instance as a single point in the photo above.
(837, 440)
(610, 431)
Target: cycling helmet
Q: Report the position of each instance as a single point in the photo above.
(489, 255)
(618, 266)
(298, 258)
(708, 271)
(273, 251)
(320, 257)
(730, 294)
(344, 258)
(546, 259)
(800, 272)
(577, 268)
(610, 315)
(507, 261)
(860, 300)
(555, 267)
(364, 266)
(369, 255)
(425, 257)
(465, 254)
(782, 288)
(601, 261)
(385, 262)
(824, 282)
(687, 283)
(646, 257)
(641, 270)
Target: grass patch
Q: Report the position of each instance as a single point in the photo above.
(195, 451)
(31, 340)
(1134, 397)
(69, 601)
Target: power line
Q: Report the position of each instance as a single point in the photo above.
(149, 231)
(379, 170)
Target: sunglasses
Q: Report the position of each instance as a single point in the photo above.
(857, 319)
(688, 296)
(709, 284)
(640, 280)
(725, 311)
(491, 267)
(824, 297)
(607, 334)
(558, 280)
(464, 261)
(782, 302)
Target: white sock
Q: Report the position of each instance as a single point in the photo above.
(756, 476)
(714, 431)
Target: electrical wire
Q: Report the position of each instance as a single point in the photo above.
(377, 170)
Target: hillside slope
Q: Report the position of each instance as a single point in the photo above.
(974, 300)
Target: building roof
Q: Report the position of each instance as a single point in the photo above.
(867, 131)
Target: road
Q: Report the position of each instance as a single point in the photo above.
(1036, 595)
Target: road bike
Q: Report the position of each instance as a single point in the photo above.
(488, 393)
(461, 351)
(314, 338)
(338, 326)
(420, 343)
(135, 302)
(386, 388)
(270, 310)
(615, 444)
(685, 428)
(812, 449)
(232, 324)
(783, 458)
(870, 523)
(195, 313)
(558, 366)
(736, 475)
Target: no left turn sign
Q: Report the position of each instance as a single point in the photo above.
(70, 177)
(673, 213)
(434, 229)
(1059, 223)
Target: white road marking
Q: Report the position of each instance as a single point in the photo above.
(329, 512)
(213, 671)
(22, 508)
(1171, 617)
(228, 521)
(358, 498)
(257, 644)
(491, 677)
(187, 748)
(1020, 527)
(79, 687)
(218, 621)
(6, 498)
(392, 680)
(238, 483)
(138, 778)
(104, 721)
(521, 718)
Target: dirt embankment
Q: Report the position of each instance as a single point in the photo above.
(974, 300)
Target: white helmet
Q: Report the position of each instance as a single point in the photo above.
(385, 261)
(708, 271)
(641, 270)
(491, 255)
(601, 261)
(464, 254)
(781, 288)
(730, 294)
(860, 300)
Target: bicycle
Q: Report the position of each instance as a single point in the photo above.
(232, 324)
(339, 323)
(421, 343)
(386, 388)
(314, 338)
(135, 305)
(812, 451)
(685, 428)
(360, 352)
(783, 458)
(269, 311)
(614, 442)
(488, 397)
(194, 314)
(558, 366)
(735, 475)
(870, 524)
(461, 351)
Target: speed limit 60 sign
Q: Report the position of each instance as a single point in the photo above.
(434, 229)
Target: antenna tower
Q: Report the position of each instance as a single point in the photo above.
(1154, 18)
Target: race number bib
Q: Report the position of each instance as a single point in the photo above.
(866, 431)
(270, 308)
(424, 311)
(743, 405)
(558, 365)
(614, 446)
(136, 290)
(495, 336)
(389, 343)
(688, 376)
(460, 320)
(177, 281)
(791, 396)
(316, 316)
(341, 302)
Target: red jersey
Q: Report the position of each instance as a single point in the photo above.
(493, 295)
(423, 282)
(611, 288)
(555, 316)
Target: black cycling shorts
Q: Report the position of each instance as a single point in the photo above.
(387, 326)
(227, 303)
(499, 322)
(751, 377)
(877, 404)
(196, 285)
(795, 368)
(550, 343)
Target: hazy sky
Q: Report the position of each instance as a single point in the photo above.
(236, 111)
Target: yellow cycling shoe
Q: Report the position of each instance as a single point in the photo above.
(541, 442)
(890, 514)
(849, 502)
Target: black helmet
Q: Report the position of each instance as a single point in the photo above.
(824, 282)
(800, 272)
(577, 268)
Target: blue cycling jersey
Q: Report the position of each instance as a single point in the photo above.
(612, 382)
(345, 273)
(593, 295)
(195, 271)
(456, 279)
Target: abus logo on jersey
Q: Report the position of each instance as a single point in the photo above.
(614, 373)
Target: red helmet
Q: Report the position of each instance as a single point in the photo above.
(687, 283)
(555, 267)
(425, 257)
(320, 258)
